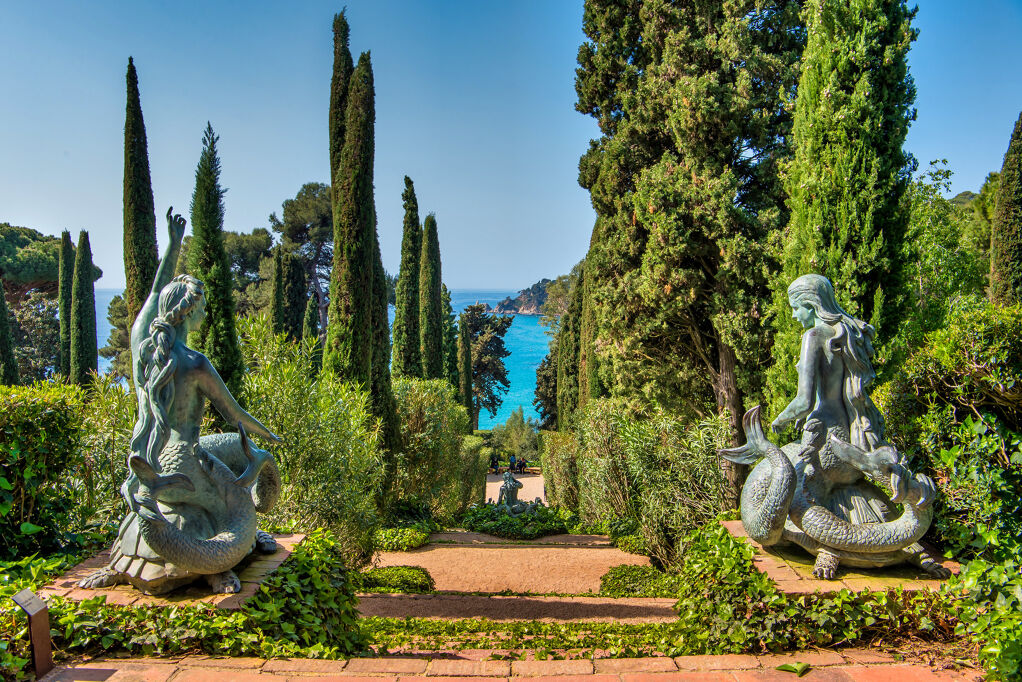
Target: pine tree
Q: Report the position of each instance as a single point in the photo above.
(349, 343)
(296, 296)
(140, 255)
(8, 363)
(277, 293)
(65, 282)
(407, 359)
(1006, 230)
(431, 321)
(848, 174)
(208, 261)
(465, 367)
(339, 84)
(450, 338)
(84, 351)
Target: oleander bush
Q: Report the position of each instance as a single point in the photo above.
(435, 471)
(329, 457)
(40, 443)
(406, 579)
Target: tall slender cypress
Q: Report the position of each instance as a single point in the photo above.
(208, 261)
(349, 350)
(277, 296)
(310, 324)
(381, 394)
(465, 367)
(450, 338)
(295, 296)
(1006, 230)
(431, 320)
(8, 363)
(343, 66)
(65, 280)
(848, 174)
(407, 360)
(140, 256)
(84, 350)
(568, 346)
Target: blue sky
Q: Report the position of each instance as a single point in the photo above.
(475, 101)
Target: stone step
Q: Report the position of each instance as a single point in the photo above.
(517, 607)
(465, 537)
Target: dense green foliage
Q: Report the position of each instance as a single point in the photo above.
(217, 338)
(277, 298)
(66, 258)
(36, 334)
(118, 348)
(545, 398)
(848, 175)
(465, 369)
(307, 230)
(494, 520)
(306, 608)
(630, 580)
(560, 468)
(990, 611)
(1006, 229)
(329, 460)
(349, 342)
(517, 436)
(405, 579)
(450, 334)
(431, 313)
(407, 359)
(296, 296)
(8, 363)
(977, 229)
(140, 257)
(568, 355)
(339, 84)
(400, 539)
(28, 261)
(39, 441)
(381, 392)
(434, 471)
(485, 333)
(84, 354)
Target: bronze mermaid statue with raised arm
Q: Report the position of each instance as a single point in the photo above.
(192, 501)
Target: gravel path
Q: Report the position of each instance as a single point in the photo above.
(549, 609)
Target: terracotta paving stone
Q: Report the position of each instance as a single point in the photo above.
(466, 668)
(548, 668)
(905, 673)
(814, 658)
(866, 656)
(814, 675)
(234, 663)
(220, 675)
(303, 665)
(345, 677)
(453, 679)
(573, 678)
(724, 662)
(614, 666)
(385, 666)
(686, 676)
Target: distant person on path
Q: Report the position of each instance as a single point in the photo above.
(512, 464)
(495, 463)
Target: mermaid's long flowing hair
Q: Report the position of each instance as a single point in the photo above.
(853, 340)
(157, 365)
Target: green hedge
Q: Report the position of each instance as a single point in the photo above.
(40, 438)
(400, 539)
(405, 579)
(560, 468)
(494, 520)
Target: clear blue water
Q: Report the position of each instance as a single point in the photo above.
(525, 339)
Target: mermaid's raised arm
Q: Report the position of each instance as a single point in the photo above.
(164, 273)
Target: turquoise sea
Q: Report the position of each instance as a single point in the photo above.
(525, 340)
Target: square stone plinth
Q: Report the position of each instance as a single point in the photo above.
(252, 571)
(791, 569)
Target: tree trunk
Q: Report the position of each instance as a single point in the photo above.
(730, 399)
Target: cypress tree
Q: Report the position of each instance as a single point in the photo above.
(431, 321)
(568, 365)
(8, 363)
(208, 261)
(848, 174)
(450, 338)
(84, 351)
(381, 394)
(140, 255)
(407, 360)
(295, 296)
(310, 330)
(65, 280)
(1006, 230)
(349, 343)
(465, 368)
(343, 67)
(277, 296)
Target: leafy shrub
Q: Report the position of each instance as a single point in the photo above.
(638, 581)
(494, 520)
(433, 470)
(956, 409)
(306, 608)
(407, 579)
(400, 539)
(560, 468)
(476, 461)
(40, 433)
(991, 613)
(517, 436)
(633, 544)
(329, 458)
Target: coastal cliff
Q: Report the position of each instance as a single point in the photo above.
(528, 301)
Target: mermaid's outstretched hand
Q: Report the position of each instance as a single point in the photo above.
(175, 225)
